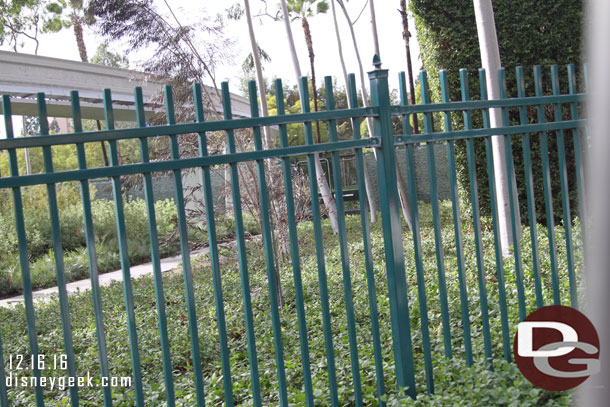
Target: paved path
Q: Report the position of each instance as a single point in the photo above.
(167, 264)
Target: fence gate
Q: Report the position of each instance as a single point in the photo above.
(355, 317)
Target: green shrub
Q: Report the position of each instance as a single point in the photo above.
(529, 33)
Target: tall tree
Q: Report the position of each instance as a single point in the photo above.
(490, 59)
(303, 9)
(68, 14)
(18, 19)
(406, 35)
(329, 200)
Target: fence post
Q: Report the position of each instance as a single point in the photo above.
(392, 230)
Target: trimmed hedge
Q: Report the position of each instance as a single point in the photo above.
(529, 33)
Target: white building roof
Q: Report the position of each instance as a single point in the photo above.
(22, 76)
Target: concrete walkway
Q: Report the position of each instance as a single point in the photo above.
(105, 279)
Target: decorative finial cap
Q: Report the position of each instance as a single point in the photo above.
(377, 61)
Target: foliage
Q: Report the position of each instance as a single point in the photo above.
(38, 232)
(105, 56)
(17, 19)
(456, 384)
(534, 32)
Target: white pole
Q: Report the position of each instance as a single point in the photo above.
(490, 59)
(596, 390)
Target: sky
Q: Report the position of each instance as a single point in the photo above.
(271, 37)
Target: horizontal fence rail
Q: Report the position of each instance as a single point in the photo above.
(351, 313)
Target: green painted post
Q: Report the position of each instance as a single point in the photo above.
(578, 160)
(506, 339)
(548, 194)
(366, 241)
(529, 188)
(214, 258)
(124, 255)
(91, 253)
(392, 231)
(418, 257)
(3, 391)
(23, 250)
(318, 238)
(565, 191)
(513, 199)
(347, 278)
(436, 218)
(294, 251)
(476, 220)
(457, 219)
(272, 274)
(58, 252)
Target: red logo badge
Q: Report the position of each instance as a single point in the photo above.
(556, 348)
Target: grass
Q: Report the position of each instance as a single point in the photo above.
(455, 383)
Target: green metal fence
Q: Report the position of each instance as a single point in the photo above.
(403, 372)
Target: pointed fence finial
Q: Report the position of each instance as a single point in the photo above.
(377, 61)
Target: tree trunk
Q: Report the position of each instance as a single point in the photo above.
(402, 190)
(407, 35)
(82, 50)
(268, 137)
(309, 43)
(490, 58)
(322, 184)
(367, 181)
(78, 33)
(326, 192)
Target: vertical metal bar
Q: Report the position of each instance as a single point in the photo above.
(529, 188)
(294, 251)
(156, 261)
(419, 268)
(548, 194)
(91, 252)
(366, 241)
(317, 227)
(565, 191)
(23, 251)
(58, 252)
(506, 340)
(272, 276)
(214, 260)
(587, 136)
(347, 279)
(3, 390)
(513, 200)
(184, 247)
(457, 220)
(476, 220)
(392, 234)
(436, 218)
(124, 255)
(578, 159)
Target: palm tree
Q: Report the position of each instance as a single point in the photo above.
(305, 9)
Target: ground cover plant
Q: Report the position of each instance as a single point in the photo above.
(455, 383)
(40, 242)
